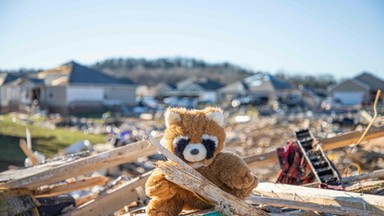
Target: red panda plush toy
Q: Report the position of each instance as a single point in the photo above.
(197, 137)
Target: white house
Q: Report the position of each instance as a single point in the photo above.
(73, 88)
(359, 90)
(259, 85)
(17, 93)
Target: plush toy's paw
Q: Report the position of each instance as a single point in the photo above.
(164, 207)
(161, 189)
(155, 213)
(244, 181)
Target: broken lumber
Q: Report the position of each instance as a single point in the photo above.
(83, 166)
(365, 202)
(337, 141)
(13, 174)
(307, 206)
(365, 187)
(65, 187)
(84, 199)
(182, 174)
(112, 200)
(374, 174)
(28, 152)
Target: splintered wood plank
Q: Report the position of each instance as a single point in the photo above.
(307, 206)
(370, 175)
(337, 141)
(184, 175)
(112, 200)
(28, 152)
(65, 187)
(9, 175)
(365, 202)
(83, 166)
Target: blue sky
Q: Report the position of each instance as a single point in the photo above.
(341, 38)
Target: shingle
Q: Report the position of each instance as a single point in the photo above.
(371, 80)
(84, 75)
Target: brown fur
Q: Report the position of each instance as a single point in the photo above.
(226, 170)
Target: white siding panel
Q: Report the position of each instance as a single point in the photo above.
(349, 98)
(84, 93)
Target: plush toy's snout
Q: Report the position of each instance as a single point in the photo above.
(195, 152)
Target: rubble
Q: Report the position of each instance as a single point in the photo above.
(110, 179)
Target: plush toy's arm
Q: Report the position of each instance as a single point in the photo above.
(234, 172)
(158, 186)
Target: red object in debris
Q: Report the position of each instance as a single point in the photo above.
(295, 169)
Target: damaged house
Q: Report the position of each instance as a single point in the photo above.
(17, 92)
(74, 88)
(69, 88)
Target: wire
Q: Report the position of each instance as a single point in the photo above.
(369, 125)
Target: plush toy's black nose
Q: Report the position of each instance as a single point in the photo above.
(194, 151)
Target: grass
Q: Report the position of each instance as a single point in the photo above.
(45, 140)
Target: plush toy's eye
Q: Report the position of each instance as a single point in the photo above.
(210, 143)
(179, 144)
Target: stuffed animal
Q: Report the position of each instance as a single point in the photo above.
(197, 137)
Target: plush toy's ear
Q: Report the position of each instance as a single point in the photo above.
(171, 118)
(217, 117)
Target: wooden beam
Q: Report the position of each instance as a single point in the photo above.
(307, 206)
(28, 152)
(83, 166)
(261, 159)
(84, 199)
(60, 188)
(366, 187)
(9, 175)
(184, 175)
(335, 142)
(112, 200)
(365, 202)
(347, 139)
(374, 174)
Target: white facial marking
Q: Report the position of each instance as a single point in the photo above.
(195, 152)
(177, 139)
(209, 137)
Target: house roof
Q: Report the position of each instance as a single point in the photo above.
(21, 80)
(236, 87)
(260, 78)
(82, 74)
(350, 85)
(371, 80)
(259, 82)
(74, 73)
(203, 82)
(8, 77)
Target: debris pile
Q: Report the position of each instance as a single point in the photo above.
(79, 184)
